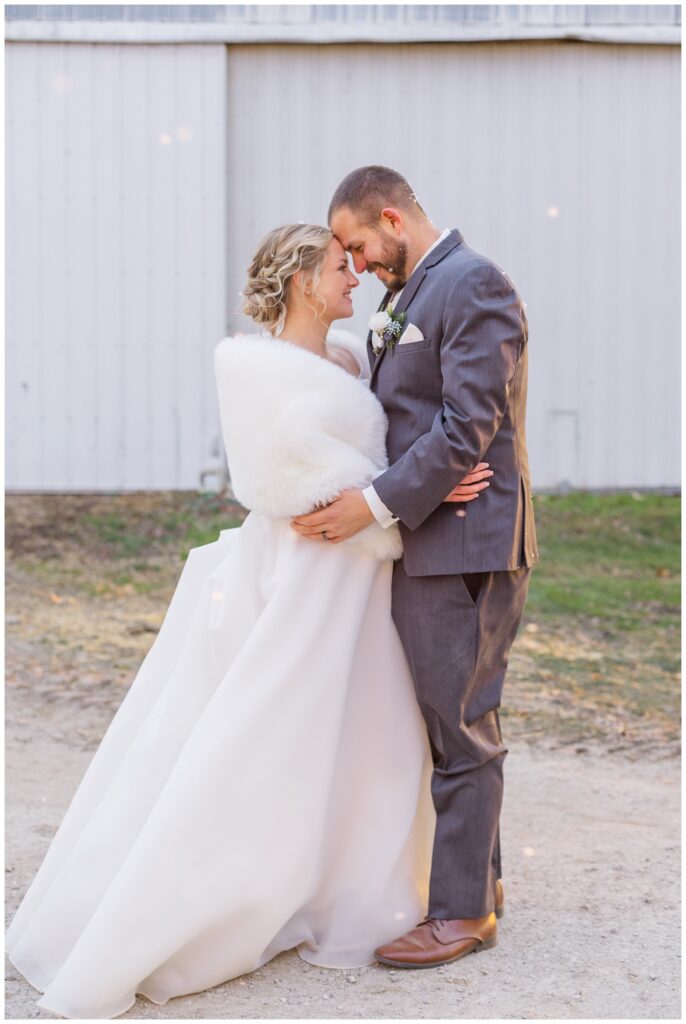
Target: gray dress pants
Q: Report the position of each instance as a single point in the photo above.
(457, 631)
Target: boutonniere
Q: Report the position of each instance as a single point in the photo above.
(387, 326)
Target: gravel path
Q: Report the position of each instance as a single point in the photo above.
(591, 873)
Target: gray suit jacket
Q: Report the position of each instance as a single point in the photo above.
(453, 400)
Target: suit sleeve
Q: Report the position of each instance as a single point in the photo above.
(484, 330)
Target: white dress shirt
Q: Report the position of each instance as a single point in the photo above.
(381, 513)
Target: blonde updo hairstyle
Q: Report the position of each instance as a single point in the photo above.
(281, 254)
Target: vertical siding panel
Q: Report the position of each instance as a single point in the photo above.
(108, 113)
(616, 358)
(212, 244)
(79, 349)
(553, 418)
(135, 341)
(191, 149)
(164, 285)
(50, 286)
(656, 249)
(24, 316)
(599, 286)
(671, 254)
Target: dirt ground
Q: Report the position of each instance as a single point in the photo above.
(590, 831)
(591, 873)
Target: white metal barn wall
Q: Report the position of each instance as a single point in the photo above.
(140, 178)
(115, 203)
(560, 161)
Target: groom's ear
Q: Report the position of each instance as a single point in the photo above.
(393, 219)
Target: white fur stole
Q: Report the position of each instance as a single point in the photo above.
(298, 430)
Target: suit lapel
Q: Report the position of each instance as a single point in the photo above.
(373, 358)
(413, 285)
(409, 292)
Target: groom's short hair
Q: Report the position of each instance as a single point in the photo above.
(368, 190)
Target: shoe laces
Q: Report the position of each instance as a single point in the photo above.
(433, 921)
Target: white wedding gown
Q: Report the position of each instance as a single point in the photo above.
(263, 786)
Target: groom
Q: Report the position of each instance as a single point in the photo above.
(453, 384)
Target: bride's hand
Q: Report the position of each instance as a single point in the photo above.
(469, 488)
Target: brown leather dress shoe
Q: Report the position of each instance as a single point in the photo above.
(499, 898)
(433, 943)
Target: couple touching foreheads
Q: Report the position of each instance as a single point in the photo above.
(310, 755)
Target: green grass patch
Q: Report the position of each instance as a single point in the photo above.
(196, 520)
(601, 632)
(598, 654)
(612, 556)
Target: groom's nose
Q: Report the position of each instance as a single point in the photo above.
(359, 262)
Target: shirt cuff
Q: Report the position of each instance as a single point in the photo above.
(381, 513)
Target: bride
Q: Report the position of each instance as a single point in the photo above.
(264, 784)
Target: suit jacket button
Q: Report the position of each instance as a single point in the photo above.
(461, 512)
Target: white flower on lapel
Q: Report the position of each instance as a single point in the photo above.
(378, 322)
(387, 327)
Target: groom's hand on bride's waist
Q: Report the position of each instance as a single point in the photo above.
(470, 486)
(343, 518)
(350, 512)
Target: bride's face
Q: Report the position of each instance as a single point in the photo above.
(336, 281)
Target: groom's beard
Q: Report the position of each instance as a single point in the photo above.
(394, 263)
